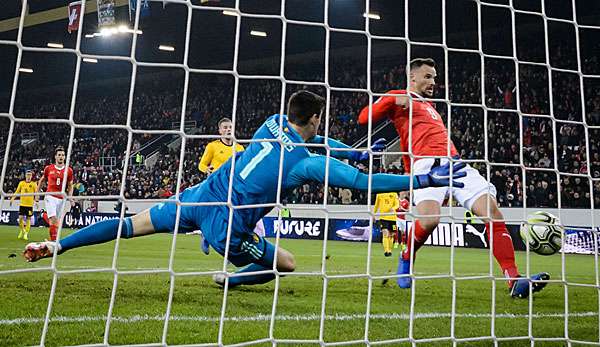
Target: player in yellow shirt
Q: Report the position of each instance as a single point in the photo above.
(216, 154)
(387, 203)
(26, 186)
(219, 151)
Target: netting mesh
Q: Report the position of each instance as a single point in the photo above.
(492, 117)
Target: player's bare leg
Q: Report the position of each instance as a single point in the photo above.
(285, 260)
(138, 225)
(142, 224)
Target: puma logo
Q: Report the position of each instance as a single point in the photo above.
(481, 234)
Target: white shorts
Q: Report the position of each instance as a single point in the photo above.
(53, 205)
(475, 185)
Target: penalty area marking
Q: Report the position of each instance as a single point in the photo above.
(309, 317)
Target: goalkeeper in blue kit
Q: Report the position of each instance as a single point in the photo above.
(255, 178)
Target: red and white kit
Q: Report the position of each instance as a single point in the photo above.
(54, 176)
(429, 138)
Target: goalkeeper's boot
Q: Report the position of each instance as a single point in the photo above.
(204, 246)
(403, 269)
(219, 278)
(37, 250)
(20, 234)
(25, 235)
(520, 287)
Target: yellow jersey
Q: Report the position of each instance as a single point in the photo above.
(25, 187)
(216, 154)
(385, 203)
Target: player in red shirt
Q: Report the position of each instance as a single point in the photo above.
(430, 138)
(55, 174)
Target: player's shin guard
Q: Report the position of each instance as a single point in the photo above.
(420, 236)
(504, 251)
(97, 233)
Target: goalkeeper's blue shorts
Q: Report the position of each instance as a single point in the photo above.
(245, 246)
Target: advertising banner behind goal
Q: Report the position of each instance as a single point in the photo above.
(580, 240)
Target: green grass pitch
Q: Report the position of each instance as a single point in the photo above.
(82, 299)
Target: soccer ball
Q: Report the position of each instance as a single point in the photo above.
(542, 232)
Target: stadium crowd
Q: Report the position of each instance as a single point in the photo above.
(98, 155)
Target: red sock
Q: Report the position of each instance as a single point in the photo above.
(421, 236)
(53, 232)
(396, 236)
(504, 251)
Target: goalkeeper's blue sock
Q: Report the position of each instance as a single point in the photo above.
(264, 263)
(251, 279)
(97, 233)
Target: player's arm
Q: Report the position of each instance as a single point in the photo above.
(377, 203)
(396, 204)
(41, 181)
(35, 189)
(70, 185)
(346, 176)
(207, 156)
(377, 146)
(382, 108)
(17, 191)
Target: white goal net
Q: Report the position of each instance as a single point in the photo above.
(136, 105)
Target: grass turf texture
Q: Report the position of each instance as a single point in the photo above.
(82, 299)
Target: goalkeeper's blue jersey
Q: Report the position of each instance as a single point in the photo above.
(266, 165)
(256, 174)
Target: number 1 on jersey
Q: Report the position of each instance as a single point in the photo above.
(267, 148)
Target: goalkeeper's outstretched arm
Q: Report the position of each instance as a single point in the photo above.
(346, 176)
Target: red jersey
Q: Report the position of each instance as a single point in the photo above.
(429, 134)
(55, 177)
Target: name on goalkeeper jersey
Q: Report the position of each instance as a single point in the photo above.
(276, 131)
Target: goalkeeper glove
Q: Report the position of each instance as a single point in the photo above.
(439, 176)
(377, 146)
